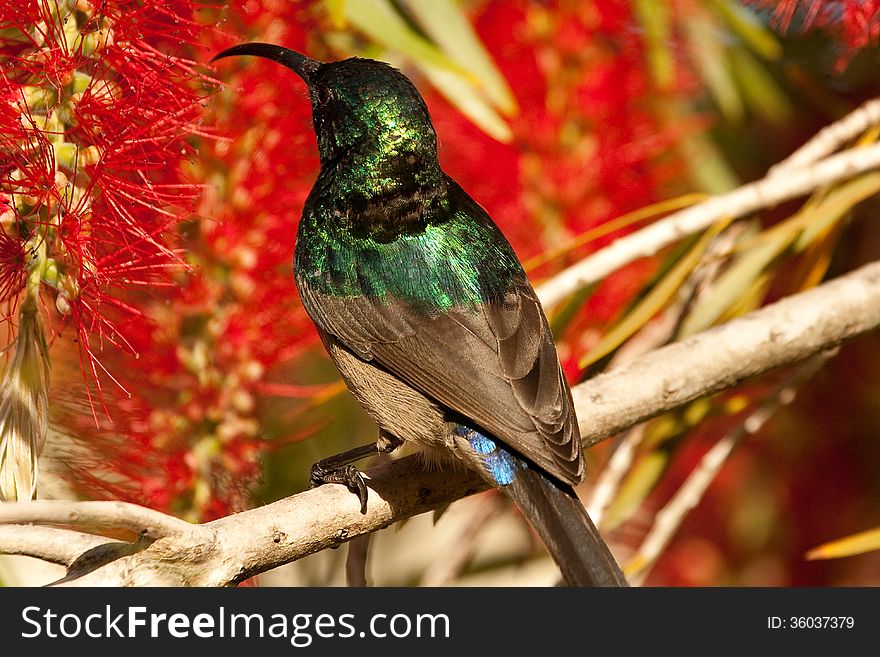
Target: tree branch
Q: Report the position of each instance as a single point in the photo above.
(670, 517)
(61, 546)
(765, 193)
(234, 548)
(831, 137)
(144, 522)
(779, 334)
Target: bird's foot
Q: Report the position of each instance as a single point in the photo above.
(348, 475)
(338, 469)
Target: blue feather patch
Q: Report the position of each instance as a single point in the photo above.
(499, 463)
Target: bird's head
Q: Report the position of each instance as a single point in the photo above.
(357, 104)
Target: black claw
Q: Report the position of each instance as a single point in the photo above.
(357, 485)
(347, 475)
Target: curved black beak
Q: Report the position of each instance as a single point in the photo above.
(297, 62)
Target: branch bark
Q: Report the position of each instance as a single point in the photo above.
(765, 193)
(831, 137)
(785, 332)
(234, 548)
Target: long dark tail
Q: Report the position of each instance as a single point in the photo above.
(564, 526)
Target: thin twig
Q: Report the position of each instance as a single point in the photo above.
(659, 332)
(669, 518)
(612, 474)
(785, 332)
(356, 561)
(59, 546)
(765, 193)
(445, 571)
(830, 138)
(143, 521)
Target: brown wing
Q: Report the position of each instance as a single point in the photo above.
(496, 365)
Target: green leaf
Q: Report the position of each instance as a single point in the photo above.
(706, 164)
(759, 88)
(450, 29)
(638, 483)
(467, 99)
(336, 11)
(834, 207)
(654, 18)
(747, 274)
(623, 221)
(749, 28)
(707, 49)
(655, 300)
(866, 541)
(733, 283)
(382, 23)
(563, 316)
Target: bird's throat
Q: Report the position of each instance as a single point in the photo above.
(384, 193)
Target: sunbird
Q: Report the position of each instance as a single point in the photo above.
(427, 312)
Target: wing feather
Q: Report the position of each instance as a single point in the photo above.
(496, 365)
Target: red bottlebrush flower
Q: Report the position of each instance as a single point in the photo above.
(190, 436)
(93, 129)
(12, 263)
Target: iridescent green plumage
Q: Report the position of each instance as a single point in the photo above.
(383, 219)
(440, 260)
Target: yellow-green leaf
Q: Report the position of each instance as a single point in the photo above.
(732, 285)
(450, 29)
(628, 219)
(758, 87)
(654, 18)
(656, 299)
(635, 488)
(749, 28)
(817, 259)
(818, 220)
(461, 93)
(706, 164)
(381, 21)
(562, 316)
(674, 424)
(336, 12)
(866, 541)
(746, 276)
(708, 51)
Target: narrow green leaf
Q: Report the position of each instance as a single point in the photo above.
(733, 284)
(834, 207)
(463, 95)
(381, 21)
(759, 88)
(798, 232)
(639, 482)
(654, 18)
(336, 12)
(866, 541)
(749, 28)
(563, 316)
(655, 300)
(450, 29)
(706, 164)
(623, 221)
(709, 54)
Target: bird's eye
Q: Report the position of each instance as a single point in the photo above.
(324, 95)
